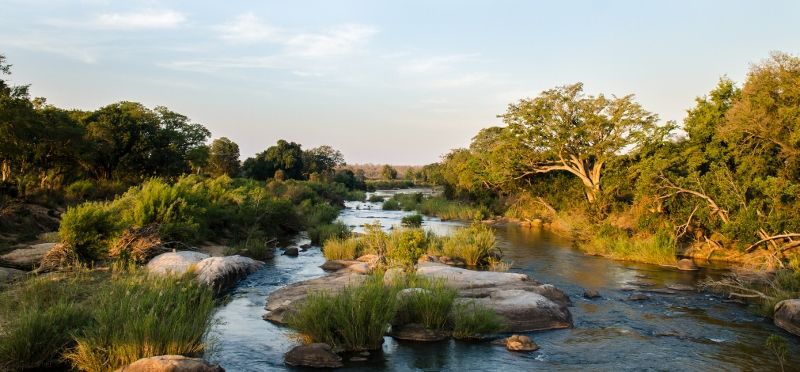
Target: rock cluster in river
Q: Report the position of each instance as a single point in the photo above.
(525, 304)
(221, 273)
(316, 355)
(787, 315)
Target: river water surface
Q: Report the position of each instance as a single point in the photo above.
(678, 331)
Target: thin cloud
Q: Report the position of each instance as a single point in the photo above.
(342, 39)
(58, 47)
(247, 28)
(435, 64)
(147, 19)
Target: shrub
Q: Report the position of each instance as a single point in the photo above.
(405, 246)
(321, 233)
(391, 205)
(354, 319)
(375, 198)
(472, 320)
(451, 210)
(86, 228)
(137, 316)
(429, 304)
(156, 202)
(79, 190)
(413, 220)
(475, 245)
(338, 248)
(659, 248)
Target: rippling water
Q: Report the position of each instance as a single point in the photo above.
(680, 331)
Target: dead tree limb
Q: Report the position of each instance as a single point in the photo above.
(771, 238)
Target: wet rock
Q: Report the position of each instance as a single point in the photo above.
(687, 264)
(8, 274)
(171, 363)
(521, 343)
(288, 299)
(316, 355)
(305, 247)
(176, 263)
(222, 273)
(787, 315)
(418, 332)
(26, 258)
(681, 287)
(291, 251)
(336, 265)
(463, 279)
(638, 297)
(591, 294)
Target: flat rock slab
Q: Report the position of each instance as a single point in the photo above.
(287, 299)
(8, 274)
(787, 315)
(459, 278)
(26, 258)
(316, 355)
(524, 311)
(171, 363)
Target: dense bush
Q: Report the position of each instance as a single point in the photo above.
(475, 245)
(405, 246)
(413, 220)
(87, 228)
(658, 248)
(321, 233)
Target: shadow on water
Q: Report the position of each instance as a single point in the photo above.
(683, 330)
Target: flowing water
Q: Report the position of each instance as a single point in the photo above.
(682, 330)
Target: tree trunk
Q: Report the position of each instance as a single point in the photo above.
(5, 170)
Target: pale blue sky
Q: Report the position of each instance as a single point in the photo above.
(400, 82)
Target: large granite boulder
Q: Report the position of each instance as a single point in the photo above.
(787, 315)
(26, 258)
(221, 273)
(317, 355)
(287, 299)
(177, 263)
(525, 304)
(8, 274)
(171, 363)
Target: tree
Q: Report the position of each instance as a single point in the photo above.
(322, 160)
(287, 157)
(565, 130)
(223, 157)
(388, 172)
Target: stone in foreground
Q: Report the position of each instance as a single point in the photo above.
(317, 355)
(521, 343)
(787, 315)
(177, 263)
(26, 258)
(171, 363)
(8, 274)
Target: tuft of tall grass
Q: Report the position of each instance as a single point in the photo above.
(428, 303)
(659, 248)
(475, 245)
(337, 248)
(87, 228)
(412, 220)
(405, 246)
(473, 321)
(323, 232)
(354, 319)
(451, 210)
(137, 316)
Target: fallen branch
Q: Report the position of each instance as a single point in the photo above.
(771, 238)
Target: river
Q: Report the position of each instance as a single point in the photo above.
(683, 330)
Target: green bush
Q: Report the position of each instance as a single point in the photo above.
(354, 319)
(375, 198)
(413, 220)
(138, 316)
(79, 190)
(429, 303)
(391, 205)
(475, 245)
(87, 228)
(405, 246)
(156, 202)
(452, 210)
(474, 321)
(322, 233)
(659, 248)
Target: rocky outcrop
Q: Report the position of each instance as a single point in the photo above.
(591, 294)
(787, 315)
(418, 332)
(291, 252)
(8, 274)
(171, 363)
(26, 258)
(287, 299)
(316, 355)
(349, 265)
(525, 304)
(221, 273)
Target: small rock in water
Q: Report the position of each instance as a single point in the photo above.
(687, 264)
(638, 297)
(291, 251)
(358, 359)
(521, 343)
(591, 294)
(316, 355)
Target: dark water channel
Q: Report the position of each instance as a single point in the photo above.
(679, 331)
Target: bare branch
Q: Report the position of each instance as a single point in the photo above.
(771, 238)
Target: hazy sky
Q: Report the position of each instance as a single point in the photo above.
(400, 82)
